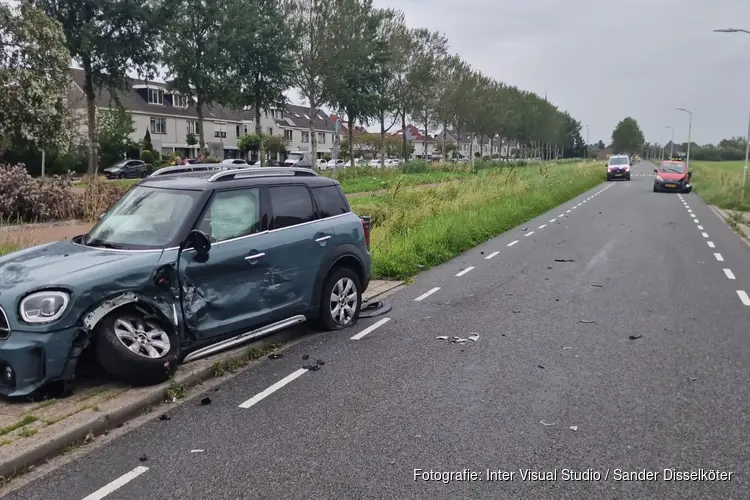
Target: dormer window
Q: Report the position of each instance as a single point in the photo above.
(155, 96)
(180, 101)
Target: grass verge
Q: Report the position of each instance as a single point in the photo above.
(5, 248)
(416, 230)
(720, 184)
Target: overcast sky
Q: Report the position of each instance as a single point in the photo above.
(603, 60)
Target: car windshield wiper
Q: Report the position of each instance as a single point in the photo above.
(93, 242)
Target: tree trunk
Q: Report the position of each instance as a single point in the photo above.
(91, 118)
(259, 133)
(424, 145)
(444, 152)
(350, 134)
(403, 135)
(382, 137)
(492, 146)
(201, 128)
(313, 139)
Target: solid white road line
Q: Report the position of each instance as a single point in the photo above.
(491, 255)
(512, 243)
(700, 227)
(719, 257)
(529, 233)
(743, 297)
(542, 226)
(729, 273)
(370, 329)
(552, 220)
(711, 244)
(116, 484)
(461, 273)
(273, 388)
(426, 294)
(705, 235)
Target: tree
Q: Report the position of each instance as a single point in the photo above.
(115, 127)
(601, 145)
(251, 143)
(261, 63)
(627, 136)
(191, 139)
(313, 23)
(107, 38)
(35, 79)
(194, 52)
(275, 145)
(147, 144)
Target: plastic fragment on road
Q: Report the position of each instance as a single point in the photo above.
(564, 260)
(197, 451)
(474, 337)
(635, 337)
(312, 368)
(546, 424)
(165, 417)
(275, 356)
(586, 321)
(205, 401)
(567, 348)
(442, 337)
(573, 427)
(143, 457)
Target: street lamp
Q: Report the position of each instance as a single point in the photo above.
(747, 143)
(671, 144)
(690, 129)
(587, 143)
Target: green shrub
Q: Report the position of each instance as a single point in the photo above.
(147, 156)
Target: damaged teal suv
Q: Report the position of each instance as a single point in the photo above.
(184, 265)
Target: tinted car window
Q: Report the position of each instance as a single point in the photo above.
(290, 205)
(330, 201)
(232, 214)
(618, 160)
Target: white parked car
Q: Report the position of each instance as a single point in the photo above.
(336, 164)
(375, 163)
(321, 163)
(234, 161)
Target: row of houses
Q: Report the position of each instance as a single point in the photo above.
(170, 118)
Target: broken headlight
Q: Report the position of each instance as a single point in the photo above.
(43, 307)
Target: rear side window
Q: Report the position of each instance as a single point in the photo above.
(290, 205)
(330, 201)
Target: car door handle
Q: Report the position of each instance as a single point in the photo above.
(255, 256)
(322, 239)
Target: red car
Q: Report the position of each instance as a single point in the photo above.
(672, 176)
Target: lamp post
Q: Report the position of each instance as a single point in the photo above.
(690, 129)
(587, 143)
(671, 143)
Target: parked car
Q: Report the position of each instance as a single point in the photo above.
(334, 164)
(234, 161)
(673, 176)
(184, 265)
(127, 169)
(299, 159)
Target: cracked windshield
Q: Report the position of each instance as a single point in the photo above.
(349, 249)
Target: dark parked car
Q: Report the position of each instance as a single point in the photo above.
(184, 265)
(127, 169)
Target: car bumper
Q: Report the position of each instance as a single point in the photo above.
(677, 187)
(29, 360)
(618, 175)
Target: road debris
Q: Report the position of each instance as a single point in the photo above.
(165, 417)
(567, 348)
(525, 229)
(516, 312)
(546, 424)
(692, 379)
(305, 357)
(540, 366)
(143, 457)
(635, 337)
(197, 451)
(573, 427)
(587, 322)
(459, 340)
(564, 260)
(320, 362)
(312, 368)
(474, 337)
(442, 337)
(205, 401)
(595, 285)
(275, 355)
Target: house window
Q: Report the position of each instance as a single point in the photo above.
(220, 134)
(158, 125)
(192, 127)
(305, 137)
(321, 138)
(238, 130)
(246, 129)
(181, 101)
(155, 96)
(270, 130)
(288, 135)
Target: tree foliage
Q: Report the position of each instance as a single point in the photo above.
(34, 79)
(627, 137)
(115, 127)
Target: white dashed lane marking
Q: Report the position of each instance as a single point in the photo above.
(491, 255)
(729, 273)
(552, 220)
(696, 221)
(719, 257)
(116, 484)
(529, 233)
(705, 235)
(512, 243)
(426, 294)
(700, 227)
(278, 385)
(743, 297)
(542, 226)
(711, 244)
(367, 330)
(461, 273)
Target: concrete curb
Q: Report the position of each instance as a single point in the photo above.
(77, 429)
(742, 231)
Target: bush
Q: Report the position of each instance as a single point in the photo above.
(28, 199)
(147, 156)
(211, 159)
(415, 167)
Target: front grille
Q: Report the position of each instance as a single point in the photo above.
(4, 325)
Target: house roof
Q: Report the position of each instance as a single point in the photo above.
(466, 138)
(134, 101)
(295, 116)
(413, 134)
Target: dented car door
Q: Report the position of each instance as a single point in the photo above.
(228, 292)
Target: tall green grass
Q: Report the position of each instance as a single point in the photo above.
(413, 230)
(720, 184)
(4, 248)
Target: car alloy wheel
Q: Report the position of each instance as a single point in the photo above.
(343, 301)
(143, 337)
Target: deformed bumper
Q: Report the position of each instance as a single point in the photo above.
(677, 187)
(29, 360)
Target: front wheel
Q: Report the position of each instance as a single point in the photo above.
(341, 300)
(137, 349)
(655, 189)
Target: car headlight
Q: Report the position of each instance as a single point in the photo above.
(43, 307)
(659, 179)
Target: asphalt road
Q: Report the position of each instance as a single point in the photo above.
(553, 383)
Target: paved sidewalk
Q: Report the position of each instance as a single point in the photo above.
(31, 432)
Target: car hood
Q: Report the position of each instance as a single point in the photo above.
(69, 265)
(670, 176)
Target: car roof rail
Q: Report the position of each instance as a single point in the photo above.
(243, 173)
(181, 169)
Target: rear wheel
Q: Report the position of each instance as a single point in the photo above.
(341, 300)
(136, 348)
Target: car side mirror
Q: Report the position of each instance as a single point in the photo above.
(199, 241)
